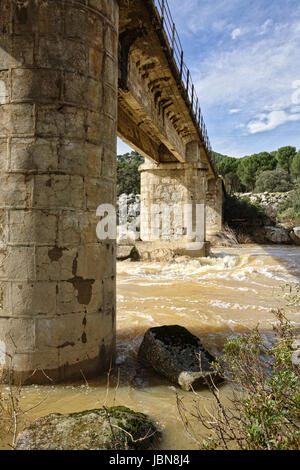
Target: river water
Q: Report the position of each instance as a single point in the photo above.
(223, 295)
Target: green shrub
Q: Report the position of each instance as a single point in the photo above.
(263, 413)
(284, 157)
(273, 181)
(252, 166)
(290, 209)
(241, 209)
(128, 176)
(295, 166)
(228, 169)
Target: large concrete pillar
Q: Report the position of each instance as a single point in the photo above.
(214, 206)
(58, 105)
(178, 187)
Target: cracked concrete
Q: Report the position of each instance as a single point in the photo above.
(58, 111)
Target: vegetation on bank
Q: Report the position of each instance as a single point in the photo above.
(128, 177)
(264, 410)
(276, 171)
(290, 210)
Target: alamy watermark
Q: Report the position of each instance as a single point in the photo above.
(165, 222)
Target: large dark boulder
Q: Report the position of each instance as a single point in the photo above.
(277, 235)
(127, 252)
(173, 352)
(102, 429)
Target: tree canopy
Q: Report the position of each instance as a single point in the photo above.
(128, 177)
(295, 166)
(243, 174)
(284, 157)
(276, 171)
(273, 181)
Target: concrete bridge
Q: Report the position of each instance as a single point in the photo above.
(73, 75)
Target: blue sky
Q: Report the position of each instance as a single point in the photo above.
(244, 56)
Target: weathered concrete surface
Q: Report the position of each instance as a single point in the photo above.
(58, 110)
(175, 353)
(59, 97)
(172, 185)
(115, 428)
(214, 206)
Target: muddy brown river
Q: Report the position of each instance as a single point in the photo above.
(216, 297)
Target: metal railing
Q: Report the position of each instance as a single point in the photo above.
(176, 50)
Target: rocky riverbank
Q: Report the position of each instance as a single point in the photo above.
(271, 230)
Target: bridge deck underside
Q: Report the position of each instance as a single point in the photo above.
(154, 116)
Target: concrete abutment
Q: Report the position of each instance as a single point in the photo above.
(214, 206)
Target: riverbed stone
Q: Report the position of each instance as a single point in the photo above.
(296, 231)
(127, 252)
(277, 235)
(295, 239)
(175, 353)
(115, 428)
(126, 237)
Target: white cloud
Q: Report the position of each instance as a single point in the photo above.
(265, 27)
(256, 74)
(201, 16)
(243, 58)
(267, 122)
(296, 94)
(236, 33)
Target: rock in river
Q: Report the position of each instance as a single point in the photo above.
(172, 351)
(277, 234)
(102, 429)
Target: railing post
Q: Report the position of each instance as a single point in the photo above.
(168, 26)
(192, 97)
(173, 38)
(162, 12)
(181, 64)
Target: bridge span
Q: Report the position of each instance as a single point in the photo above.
(74, 74)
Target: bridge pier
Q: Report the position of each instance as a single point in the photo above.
(214, 206)
(173, 196)
(58, 111)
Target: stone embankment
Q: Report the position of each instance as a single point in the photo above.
(272, 231)
(270, 202)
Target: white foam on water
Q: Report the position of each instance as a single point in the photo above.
(182, 268)
(236, 306)
(2, 353)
